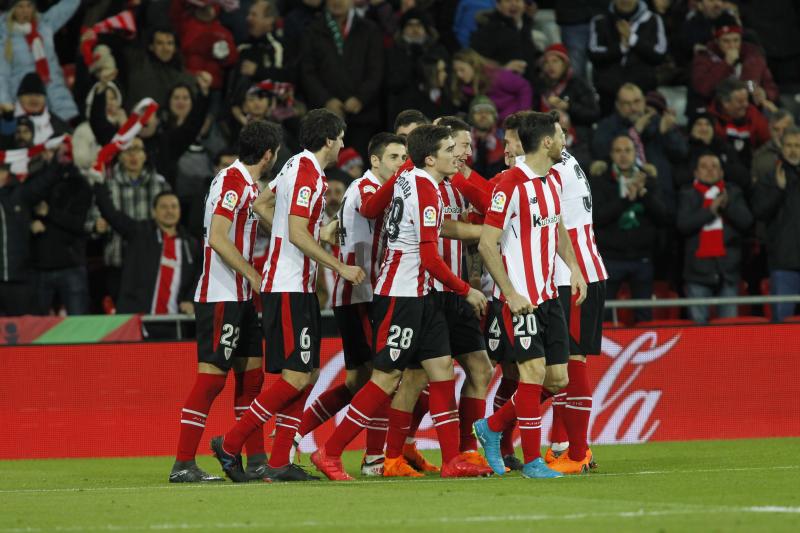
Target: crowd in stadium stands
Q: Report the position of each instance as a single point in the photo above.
(682, 113)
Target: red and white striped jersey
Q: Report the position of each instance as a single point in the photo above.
(299, 190)
(359, 242)
(231, 195)
(576, 212)
(527, 208)
(415, 216)
(451, 250)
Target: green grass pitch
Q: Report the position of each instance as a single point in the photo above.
(743, 485)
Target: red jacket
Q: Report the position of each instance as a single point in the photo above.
(753, 128)
(709, 68)
(197, 41)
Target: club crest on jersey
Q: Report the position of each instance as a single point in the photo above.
(429, 216)
(499, 201)
(305, 356)
(230, 200)
(228, 353)
(394, 353)
(304, 196)
(525, 342)
(493, 344)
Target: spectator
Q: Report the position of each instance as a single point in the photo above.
(407, 121)
(58, 242)
(154, 72)
(350, 163)
(573, 18)
(776, 201)
(133, 185)
(342, 69)
(295, 24)
(625, 45)
(574, 140)
(776, 22)
(737, 120)
(505, 35)
(764, 158)
(16, 207)
(27, 36)
(474, 76)
(703, 140)
(106, 115)
(698, 29)
(465, 19)
(487, 144)
(627, 215)
(713, 216)
(417, 75)
(728, 57)
(653, 130)
(32, 104)
(206, 44)
(161, 260)
(559, 88)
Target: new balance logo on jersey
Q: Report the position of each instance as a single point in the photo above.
(534, 200)
(539, 221)
(394, 353)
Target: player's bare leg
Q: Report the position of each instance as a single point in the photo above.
(208, 384)
(249, 377)
(577, 411)
(478, 371)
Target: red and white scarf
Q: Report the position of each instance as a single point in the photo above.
(140, 115)
(123, 21)
(36, 45)
(165, 298)
(712, 243)
(19, 158)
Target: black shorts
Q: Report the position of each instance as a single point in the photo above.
(585, 321)
(407, 331)
(542, 333)
(497, 344)
(462, 324)
(293, 330)
(226, 330)
(355, 329)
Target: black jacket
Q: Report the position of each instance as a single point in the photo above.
(16, 202)
(405, 80)
(63, 243)
(734, 170)
(357, 72)
(498, 38)
(584, 110)
(780, 209)
(612, 66)
(569, 12)
(142, 257)
(737, 219)
(613, 240)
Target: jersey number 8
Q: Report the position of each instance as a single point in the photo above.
(395, 216)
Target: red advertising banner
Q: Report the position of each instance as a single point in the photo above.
(714, 382)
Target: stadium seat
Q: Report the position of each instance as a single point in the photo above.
(677, 99)
(612, 325)
(740, 320)
(663, 291)
(665, 322)
(794, 319)
(624, 316)
(764, 290)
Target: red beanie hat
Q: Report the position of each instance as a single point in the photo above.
(560, 50)
(348, 157)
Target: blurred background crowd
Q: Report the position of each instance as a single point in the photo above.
(682, 113)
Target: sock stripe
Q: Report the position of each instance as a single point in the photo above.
(322, 408)
(198, 413)
(578, 408)
(579, 398)
(241, 408)
(316, 413)
(285, 417)
(264, 413)
(444, 413)
(198, 424)
(443, 422)
(359, 413)
(356, 422)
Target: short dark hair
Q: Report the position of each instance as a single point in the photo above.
(157, 198)
(318, 126)
(410, 116)
(151, 35)
(513, 120)
(533, 127)
(379, 142)
(791, 130)
(454, 123)
(727, 87)
(620, 136)
(256, 138)
(425, 141)
(704, 153)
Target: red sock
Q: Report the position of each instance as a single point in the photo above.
(578, 409)
(420, 410)
(529, 418)
(264, 406)
(365, 404)
(444, 414)
(470, 410)
(558, 433)
(377, 429)
(287, 423)
(505, 417)
(324, 407)
(399, 422)
(504, 392)
(248, 385)
(194, 413)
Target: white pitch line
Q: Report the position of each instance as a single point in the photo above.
(485, 519)
(226, 486)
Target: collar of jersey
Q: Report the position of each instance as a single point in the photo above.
(310, 155)
(528, 171)
(370, 176)
(241, 168)
(423, 174)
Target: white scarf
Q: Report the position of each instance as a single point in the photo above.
(42, 129)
